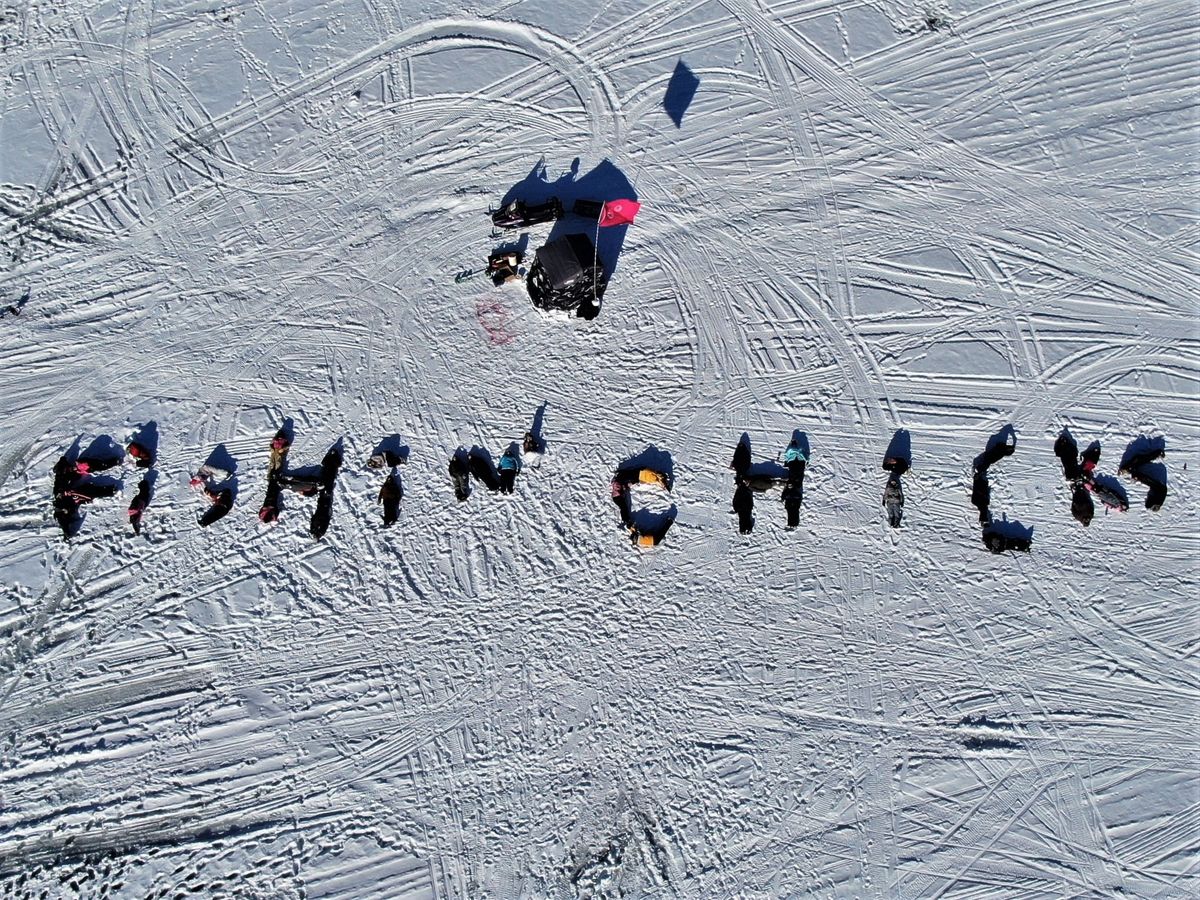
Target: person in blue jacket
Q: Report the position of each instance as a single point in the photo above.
(510, 465)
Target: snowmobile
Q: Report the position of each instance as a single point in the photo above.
(1158, 489)
(567, 275)
(893, 500)
(519, 214)
(304, 485)
(1107, 495)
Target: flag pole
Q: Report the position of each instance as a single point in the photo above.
(596, 252)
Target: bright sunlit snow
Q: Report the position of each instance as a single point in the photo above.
(873, 222)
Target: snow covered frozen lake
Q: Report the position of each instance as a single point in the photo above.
(937, 218)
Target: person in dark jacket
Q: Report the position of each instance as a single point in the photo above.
(1158, 489)
(792, 497)
(893, 500)
(138, 505)
(510, 466)
(1082, 507)
(1091, 457)
(981, 496)
(460, 475)
(143, 455)
(741, 458)
(743, 505)
(1067, 452)
(390, 495)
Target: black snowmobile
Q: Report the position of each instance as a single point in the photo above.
(998, 542)
(519, 214)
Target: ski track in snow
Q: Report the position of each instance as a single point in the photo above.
(228, 215)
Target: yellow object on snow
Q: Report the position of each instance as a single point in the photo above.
(649, 476)
(645, 540)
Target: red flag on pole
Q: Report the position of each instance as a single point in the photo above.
(618, 212)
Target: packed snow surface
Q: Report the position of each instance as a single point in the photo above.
(942, 217)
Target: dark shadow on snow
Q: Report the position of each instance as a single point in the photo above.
(147, 436)
(221, 458)
(535, 430)
(999, 445)
(900, 449)
(680, 91)
(1000, 535)
(1112, 485)
(651, 458)
(392, 450)
(801, 440)
(102, 453)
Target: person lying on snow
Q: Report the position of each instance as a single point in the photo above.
(893, 500)
(390, 496)
(510, 466)
(138, 505)
(743, 505)
(460, 475)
